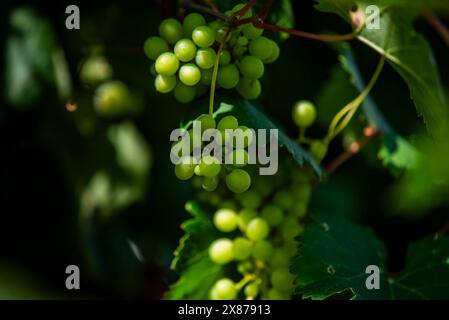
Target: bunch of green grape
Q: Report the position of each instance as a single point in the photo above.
(185, 54)
(258, 229)
(211, 169)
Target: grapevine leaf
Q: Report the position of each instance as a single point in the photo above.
(334, 253)
(407, 52)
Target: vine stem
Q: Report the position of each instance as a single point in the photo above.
(206, 10)
(438, 25)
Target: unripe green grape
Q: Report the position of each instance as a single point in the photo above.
(239, 158)
(284, 199)
(203, 36)
(263, 186)
(192, 21)
(206, 77)
(154, 47)
(239, 50)
(245, 216)
(184, 168)
(304, 114)
(183, 93)
(262, 250)
(207, 122)
(167, 64)
(242, 248)
(228, 76)
(261, 47)
(215, 25)
(239, 7)
(242, 41)
(318, 149)
(189, 74)
(225, 58)
(250, 199)
(282, 280)
(251, 67)
(238, 181)
(220, 34)
(95, 70)
(210, 184)
(290, 228)
(257, 229)
(221, 251)
(280, 258)
(164, 84)
(197, 172)
(170, 30)
(185, 50)
(245, 267)
(272, 214)
(205, 58)
(112, 99)
(228, 122)
(224, 289)
(209, 166)
(275, 51)
(225, 220)
(302, 192)
(299, 209)
(250, 31)
(251, 290)
(274, 294)
(249, 89)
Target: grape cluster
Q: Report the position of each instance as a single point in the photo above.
(259, 227)
(210, 169)
(185, 55)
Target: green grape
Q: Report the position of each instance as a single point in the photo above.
(183, 93)
(299, 209)
(242, 248)
(184, 168)
(209, 166)
(280, 258)
(242, 41)
(238, 50)
(244, 218)
(275, 51)
(284, 199)
(245, 267)
(220, 34)
(154, 47)
(261, 47)
(290, 228)
(239, 158)
(251, 290)
(205, 58)
(304, 114)
(251, 67)
(221, 251)
(210, 184)
(228, 122)
(263, 186)
(239, 7)
(302, 192)
(164, 84)
(250, 31)
(185, 50)
(274, 294)
(197, 172)
(215, 25)
(203, 36)
(207, 122)
(257, 229)
(282, 280)
(249, 89)
(167, 64)
(170, 30)
(112, 99)
(206, 77)
(238, 181)
(189, 74)
(225, 58)
(250, 199)
(318, 149)
(95, 70)
(272, 214)
(262, 250)
(191, 21)
(228, 76)
(225, 220)
(224, 289)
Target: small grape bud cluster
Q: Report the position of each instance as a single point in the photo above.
(185, 55)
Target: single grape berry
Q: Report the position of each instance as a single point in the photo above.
(112, 99)
(250, 31)
(228, 122)
(244, 218)
(249, 89)
(272, 214)
(284, 199)
(251, 290)
(206, 77)
(205, 58)
(274, 294)
(191, 21)
(95, 69)
(251, 67)
(319, 149)
(275, 51)
(238, 181)
(225, 58)
(183, 93)
(262, 250)
(239, 7)
(164, 84)
(154, 47)
(185, 50)
(250, 199)
(221, 251)
(224, 289)
(171, 30)
(184, 168)
(167, 64)
(207, 122)
(228, 76)
(225, 220)
(189, 74)
(282, 280)
(257, 229)
(304, 114)
(209, 166)
(280, 258)
(210, 184)
(261, 47)
(242, 248)
(203, 36)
